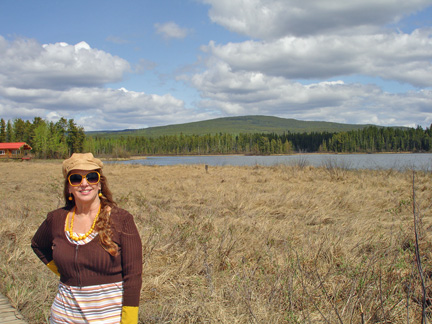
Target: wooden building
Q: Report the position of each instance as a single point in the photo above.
(18, 150)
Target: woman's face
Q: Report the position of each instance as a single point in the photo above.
(84, 192)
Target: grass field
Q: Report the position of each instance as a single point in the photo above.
(285, 244)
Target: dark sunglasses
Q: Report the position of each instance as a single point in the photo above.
(75, 179)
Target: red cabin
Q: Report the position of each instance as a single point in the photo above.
(18, 150)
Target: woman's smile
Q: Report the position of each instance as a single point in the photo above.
(85, 191)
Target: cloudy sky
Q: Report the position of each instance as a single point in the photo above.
(113, 65)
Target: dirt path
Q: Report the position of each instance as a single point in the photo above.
(8, 314)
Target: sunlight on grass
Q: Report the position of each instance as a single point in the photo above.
(282, 244)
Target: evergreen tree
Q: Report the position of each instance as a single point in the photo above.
(28, 131)
(2, 131)
(19, 129)
(9, 132)
(75, 137)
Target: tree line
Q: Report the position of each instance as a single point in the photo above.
(371, 139)
(61, 139)
(47, 139)
(380, 139)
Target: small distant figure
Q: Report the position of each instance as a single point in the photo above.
(206, 168)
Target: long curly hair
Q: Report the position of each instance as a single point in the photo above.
(103, 224)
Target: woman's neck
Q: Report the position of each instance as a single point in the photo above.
(90, 208)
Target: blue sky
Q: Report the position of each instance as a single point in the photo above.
(133, 64)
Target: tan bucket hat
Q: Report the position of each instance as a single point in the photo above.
(81, 161)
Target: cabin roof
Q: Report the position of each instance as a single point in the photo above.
(15, 146)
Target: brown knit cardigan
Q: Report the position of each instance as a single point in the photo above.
(90, 264)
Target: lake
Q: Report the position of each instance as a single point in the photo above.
(402, 161)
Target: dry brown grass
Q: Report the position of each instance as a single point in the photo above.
(257, 244)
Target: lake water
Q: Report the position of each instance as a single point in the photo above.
(414, 161)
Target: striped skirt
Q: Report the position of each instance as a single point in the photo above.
(92, 304)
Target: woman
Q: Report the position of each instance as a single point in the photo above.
(94, 247)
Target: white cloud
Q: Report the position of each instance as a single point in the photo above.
(27, 64)
(271, 19)
(329, 56)
(59, 79)
(104, 108)
(171, 30)
(245, 93)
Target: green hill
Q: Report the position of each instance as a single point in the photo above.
(235, 125)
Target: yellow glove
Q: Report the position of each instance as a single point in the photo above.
(129, 315)
(53, 267)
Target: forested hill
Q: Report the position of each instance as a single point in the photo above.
(236, 125)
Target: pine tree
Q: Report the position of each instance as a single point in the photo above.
(2, 131)
(75, 137)
(19, 128)
(9, 132)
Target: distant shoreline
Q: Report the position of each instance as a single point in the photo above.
(138, 157)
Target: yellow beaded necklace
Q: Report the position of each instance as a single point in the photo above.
(84, 236)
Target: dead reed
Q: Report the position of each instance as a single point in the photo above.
(284, 244)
